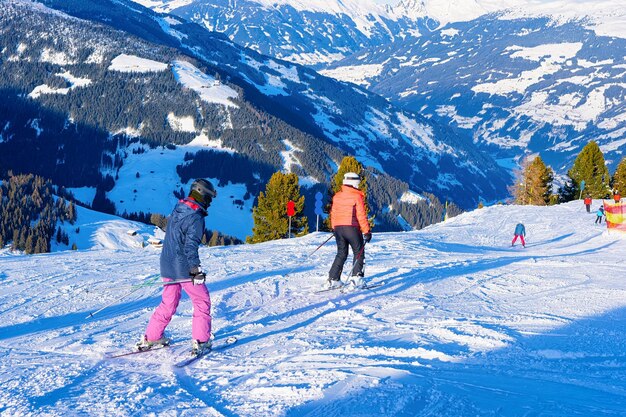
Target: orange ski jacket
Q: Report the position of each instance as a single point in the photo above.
(348, 209)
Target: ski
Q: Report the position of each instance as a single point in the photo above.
(135, 352)
(327, 289)
(218, 346)
(344, 289)
(347, 289)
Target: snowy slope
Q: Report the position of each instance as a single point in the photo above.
(464, 326)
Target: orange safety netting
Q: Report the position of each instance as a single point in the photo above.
(615, 216)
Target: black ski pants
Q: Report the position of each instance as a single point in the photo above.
(348, 235)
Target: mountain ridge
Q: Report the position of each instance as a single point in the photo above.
(178, 102)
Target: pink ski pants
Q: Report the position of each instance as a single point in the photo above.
(201, 321)
(521, 237)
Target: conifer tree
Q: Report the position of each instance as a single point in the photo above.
(533, 184)
(29, 246)
(42, 245)
(214, 240)
(619, 178)
(590, 167)
(270, 218)
(71, 213)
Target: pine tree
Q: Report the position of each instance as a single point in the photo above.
(71, 212)
(533, 183)
(214, 240)
(158, 220)
(590, 167)
(348, 164)
(270, 218)
(42, 245)
(619, 178)
(29, 246)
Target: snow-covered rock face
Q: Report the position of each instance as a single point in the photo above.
(308, 32)
(605, 18)
(516, 85)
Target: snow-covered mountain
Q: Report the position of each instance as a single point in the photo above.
(318, 32)
(607, 17)
(519, 76)
(517, 85)
(308, 32)
(464, 325)
(130, 107)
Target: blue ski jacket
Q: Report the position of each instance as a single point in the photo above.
(185, 227)
(520, 229)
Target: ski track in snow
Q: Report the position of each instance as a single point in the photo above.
(464, 325)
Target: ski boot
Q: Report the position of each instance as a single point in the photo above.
(332, 284)
(199, 348)
(145, 344)
(357, 281)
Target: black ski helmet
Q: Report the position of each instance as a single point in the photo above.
(203, 192)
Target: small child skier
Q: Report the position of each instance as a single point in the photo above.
(599, 214)
(180, 260)
(520, 231)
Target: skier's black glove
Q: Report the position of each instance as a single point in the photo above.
(197, 276)
(367, 237)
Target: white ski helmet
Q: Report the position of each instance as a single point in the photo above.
(351, 179)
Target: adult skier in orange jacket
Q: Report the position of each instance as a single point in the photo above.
(350, 226)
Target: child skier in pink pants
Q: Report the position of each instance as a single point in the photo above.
(180, 260)
(520, 231)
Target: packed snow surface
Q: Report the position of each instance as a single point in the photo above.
(463, 325)
(132, 63)
(210, 89)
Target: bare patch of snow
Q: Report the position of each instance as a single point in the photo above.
(182, 123)
(132, 63)
(208, 88)
(357, 74)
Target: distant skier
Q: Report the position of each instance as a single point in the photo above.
(599, 215)
(520, 231)
(617, 196)
(350, 226)
(588, 202)
(180, 260)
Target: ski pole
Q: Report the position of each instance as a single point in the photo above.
(311, 254)
(157, 284)
(135, 288)
(322, 244)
